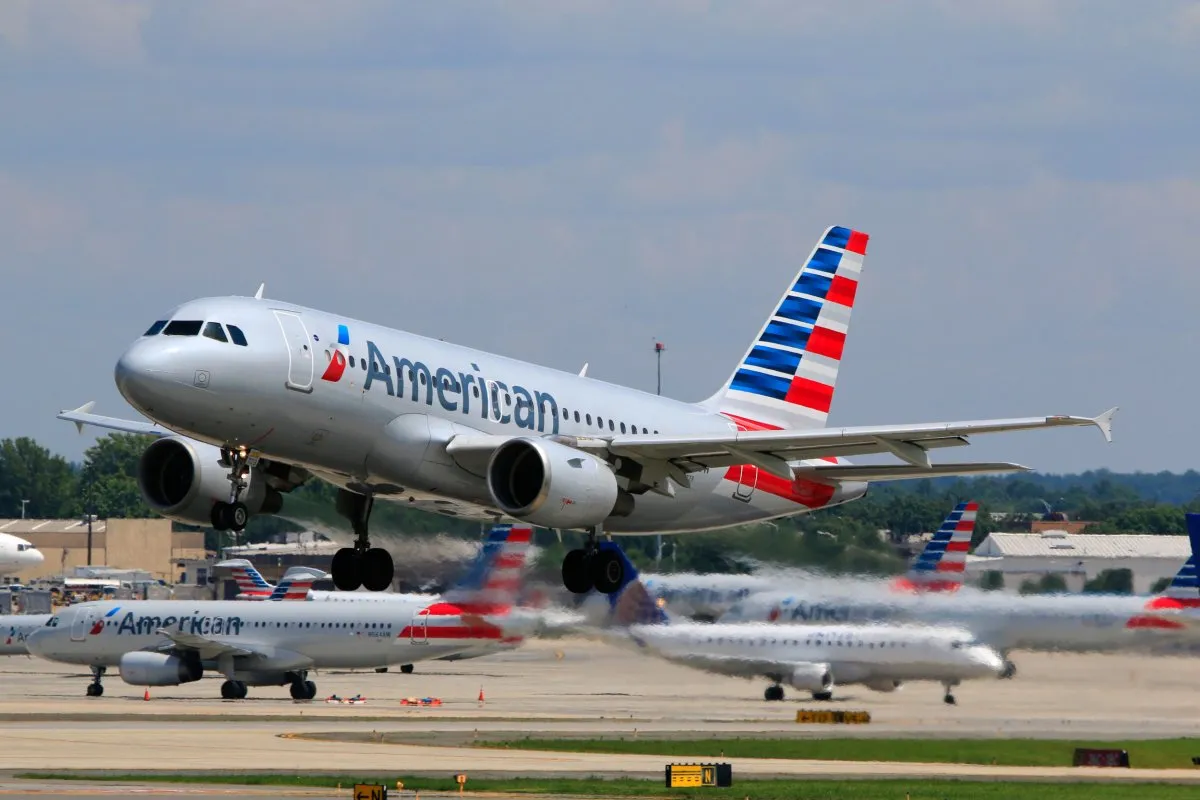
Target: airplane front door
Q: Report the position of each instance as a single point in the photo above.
(300, 354)
(82, 624)
(747, 478)
(419, 630)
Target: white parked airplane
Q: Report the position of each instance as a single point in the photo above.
(252, 397)
(807, 657)
(170, 642)
(15, 628)
(17, 554)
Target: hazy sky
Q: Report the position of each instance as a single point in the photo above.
(567, 181)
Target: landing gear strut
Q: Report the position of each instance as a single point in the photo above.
(1010, 669)
(360, 565)
(592, 568)
(234, 515)
(95, 688)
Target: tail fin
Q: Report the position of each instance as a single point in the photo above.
(632, 603)
(1185, 586)
(941, 564)
(249, 580)
(787, 377)
(495, 579)
(295, 583)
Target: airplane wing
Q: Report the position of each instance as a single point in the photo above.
(734, 666)
(205, 647)
(82, 416)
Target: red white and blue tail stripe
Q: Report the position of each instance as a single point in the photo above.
(1184, 589)
(293, 587)
(250, 582)
(787, 377)
(495, 580)
(943, 560)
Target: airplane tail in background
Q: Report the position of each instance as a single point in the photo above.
(632, 603)
(787, 377)
(940, 566)
(1184, 589)
(250, 582)
(296, 582)
(494, 581)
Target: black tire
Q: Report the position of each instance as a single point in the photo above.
(92, 690)
(773, 694)
(299, 690)
(217, 517)
(310, 690)
(575, 572)
(346, 569)
(381, 669)
(242, 690)
(607, 571)
(237, 516)
(406, 669)
(1010, 670)
(822, 696)
(377, 570)
(99, 690)
(950, 700)
(228, 690)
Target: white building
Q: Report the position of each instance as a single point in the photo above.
(1079, 557)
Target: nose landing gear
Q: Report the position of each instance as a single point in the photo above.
(360, 565)
(96, 688)
(234, 515)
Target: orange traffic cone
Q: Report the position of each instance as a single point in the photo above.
(480, 695)
(146, 696)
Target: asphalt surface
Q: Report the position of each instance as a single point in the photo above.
(569, 688)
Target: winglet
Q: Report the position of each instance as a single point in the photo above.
(258, 294)
(583, 372)
(1104, 422)
(86, 408)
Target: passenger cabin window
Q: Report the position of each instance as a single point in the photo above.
(213, 330)
(155, 328)
(183, 327)
(235, 333)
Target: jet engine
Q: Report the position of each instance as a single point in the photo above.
(812, 678)
(159, 669)
(181, 479)
(554, 486)
(883, 685)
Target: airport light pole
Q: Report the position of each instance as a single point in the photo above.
(23, 504)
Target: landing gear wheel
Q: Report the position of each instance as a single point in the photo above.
(310, 690)
(299, 690)
(575, 572)
(949, 700)
(218, 517)
(607, 571)
(346, 569)
(822, 696)
(95, 690)
(773, 694)
(237, 516)
(406, 669)
(242, 691)
(377, 569)
(229, 690)
(1010, 670)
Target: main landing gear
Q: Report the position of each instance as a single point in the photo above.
(303, 689)
(592, 568)
(773, 694)
(360, 565)
(95, 688)
(949, 698)
(234, 515)
(233, 690)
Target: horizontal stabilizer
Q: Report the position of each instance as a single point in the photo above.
(901, 472)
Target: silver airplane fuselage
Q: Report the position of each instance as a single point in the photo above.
(379, 424)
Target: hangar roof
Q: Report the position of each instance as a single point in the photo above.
(1056, 544)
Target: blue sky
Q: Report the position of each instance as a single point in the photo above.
(567, 182)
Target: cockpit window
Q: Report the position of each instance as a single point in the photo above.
(183, 327)
(155, 328)
(235, 333)
(21, 548)
(213, 330)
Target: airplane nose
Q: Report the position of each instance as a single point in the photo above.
(988, 660)
(34, 557)
(37, 641)
(143, 373)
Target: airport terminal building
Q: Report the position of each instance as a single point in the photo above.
(1079, 557)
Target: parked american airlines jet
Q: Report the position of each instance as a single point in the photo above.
(17, 554)
(256, 396)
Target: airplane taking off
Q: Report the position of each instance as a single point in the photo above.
(808, 657)
(252, 397)
(171, 642)
(17, 554)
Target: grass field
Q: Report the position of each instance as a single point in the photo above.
(755, 789)
(1146, 754)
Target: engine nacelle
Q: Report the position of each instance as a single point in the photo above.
(812, 678)
(883, 685)
(141, 668)
(555, 486)
(181, 479)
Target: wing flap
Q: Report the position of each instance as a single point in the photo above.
(202, 645)
(900, 472)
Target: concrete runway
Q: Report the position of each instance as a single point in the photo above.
(568, 688)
